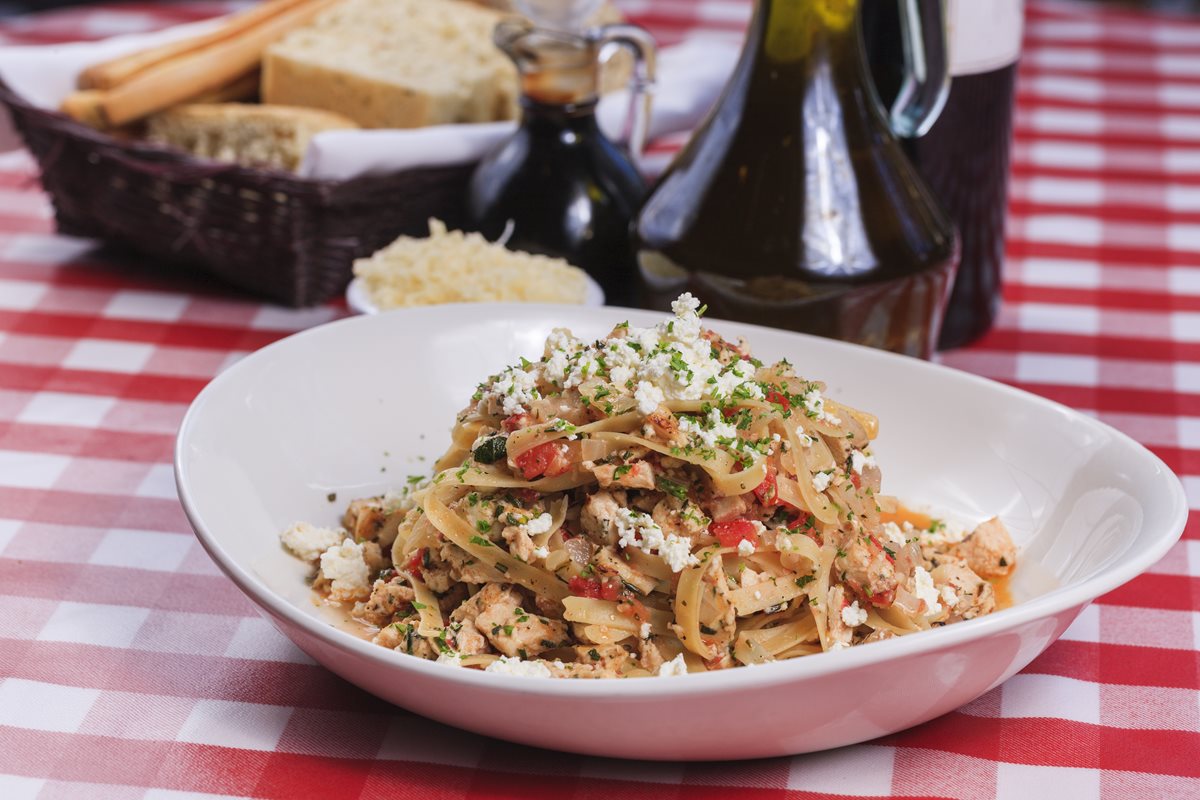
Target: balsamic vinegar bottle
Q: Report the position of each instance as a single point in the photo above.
(794, 205)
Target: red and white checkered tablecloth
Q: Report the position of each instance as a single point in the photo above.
(129, 667)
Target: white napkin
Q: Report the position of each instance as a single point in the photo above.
(690, 76)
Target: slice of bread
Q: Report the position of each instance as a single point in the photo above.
(395, 64)
(253, 135)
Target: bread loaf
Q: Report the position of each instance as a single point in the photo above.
(395, 64)
(252, 135)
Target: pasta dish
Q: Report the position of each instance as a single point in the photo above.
(651, 503)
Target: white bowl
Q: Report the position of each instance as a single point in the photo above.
(360, 301)
(330, 409)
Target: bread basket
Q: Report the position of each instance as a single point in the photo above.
(290, 239)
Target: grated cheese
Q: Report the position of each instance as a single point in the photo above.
(457, 267)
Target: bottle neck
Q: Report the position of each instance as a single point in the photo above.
(557, 119)
(799, 40)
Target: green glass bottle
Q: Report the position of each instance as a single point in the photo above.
(793, 205)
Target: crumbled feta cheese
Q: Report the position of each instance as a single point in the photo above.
(307, 541)
(676, 666)
(515, 389)
(708, 430)
(648, 397)
(924, 589)
(637, 529)
(806, 440)
(948, 532)
(745, 548)
(450, 659)
(949, 596)
(893, 533)
(515, 666)
(814, 406)
(645, 630)
(853, 615)
(541, 552)
(539, 524)
(685, 304)
(822, 480)
(859, 459)
(562, 340)
(344, 566)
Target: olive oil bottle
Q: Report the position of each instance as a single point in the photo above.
(793, 205)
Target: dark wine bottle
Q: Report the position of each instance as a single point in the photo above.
(794, 205)
(964, 157)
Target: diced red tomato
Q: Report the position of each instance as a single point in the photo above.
(548, 459)
(584, 587)
(728, 413)
(801, 519)
(608, 589)
(414, 563)
(730, 532)
(515, 422)
(633, 607)
(856, 479)
(779, 399)
(880, 547)
(883, 599)
(526, 496)
(767, 492)
(611, 589)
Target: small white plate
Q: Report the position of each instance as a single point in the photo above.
(267, 441)
(360, 301)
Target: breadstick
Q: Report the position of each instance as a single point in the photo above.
(206, 70)
(244, 88)
(110, 74)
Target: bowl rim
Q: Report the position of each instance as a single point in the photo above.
(1053, 602)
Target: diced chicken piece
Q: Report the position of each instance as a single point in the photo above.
(839, 633)
(467, 639)
(455, 564)
(373, 555)
(403, 636)
(368, 520)
(599, 516)
(868, 571)
(727, 508)
(638, 475)
(549, 607)
(663, 426)
(610, 658)
(969, 595)
(651, 657)
(680, 517)
(516, 632)
(387, 599)
(490, 595)
(608, 563)
(988, 550)
(519, 543)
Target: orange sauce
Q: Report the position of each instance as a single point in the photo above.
(922, 521)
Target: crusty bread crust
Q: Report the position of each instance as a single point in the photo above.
(395, 64)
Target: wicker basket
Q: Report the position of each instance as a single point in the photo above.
(270, 232)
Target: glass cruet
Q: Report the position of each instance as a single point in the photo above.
(794, 205)
(559, 186)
